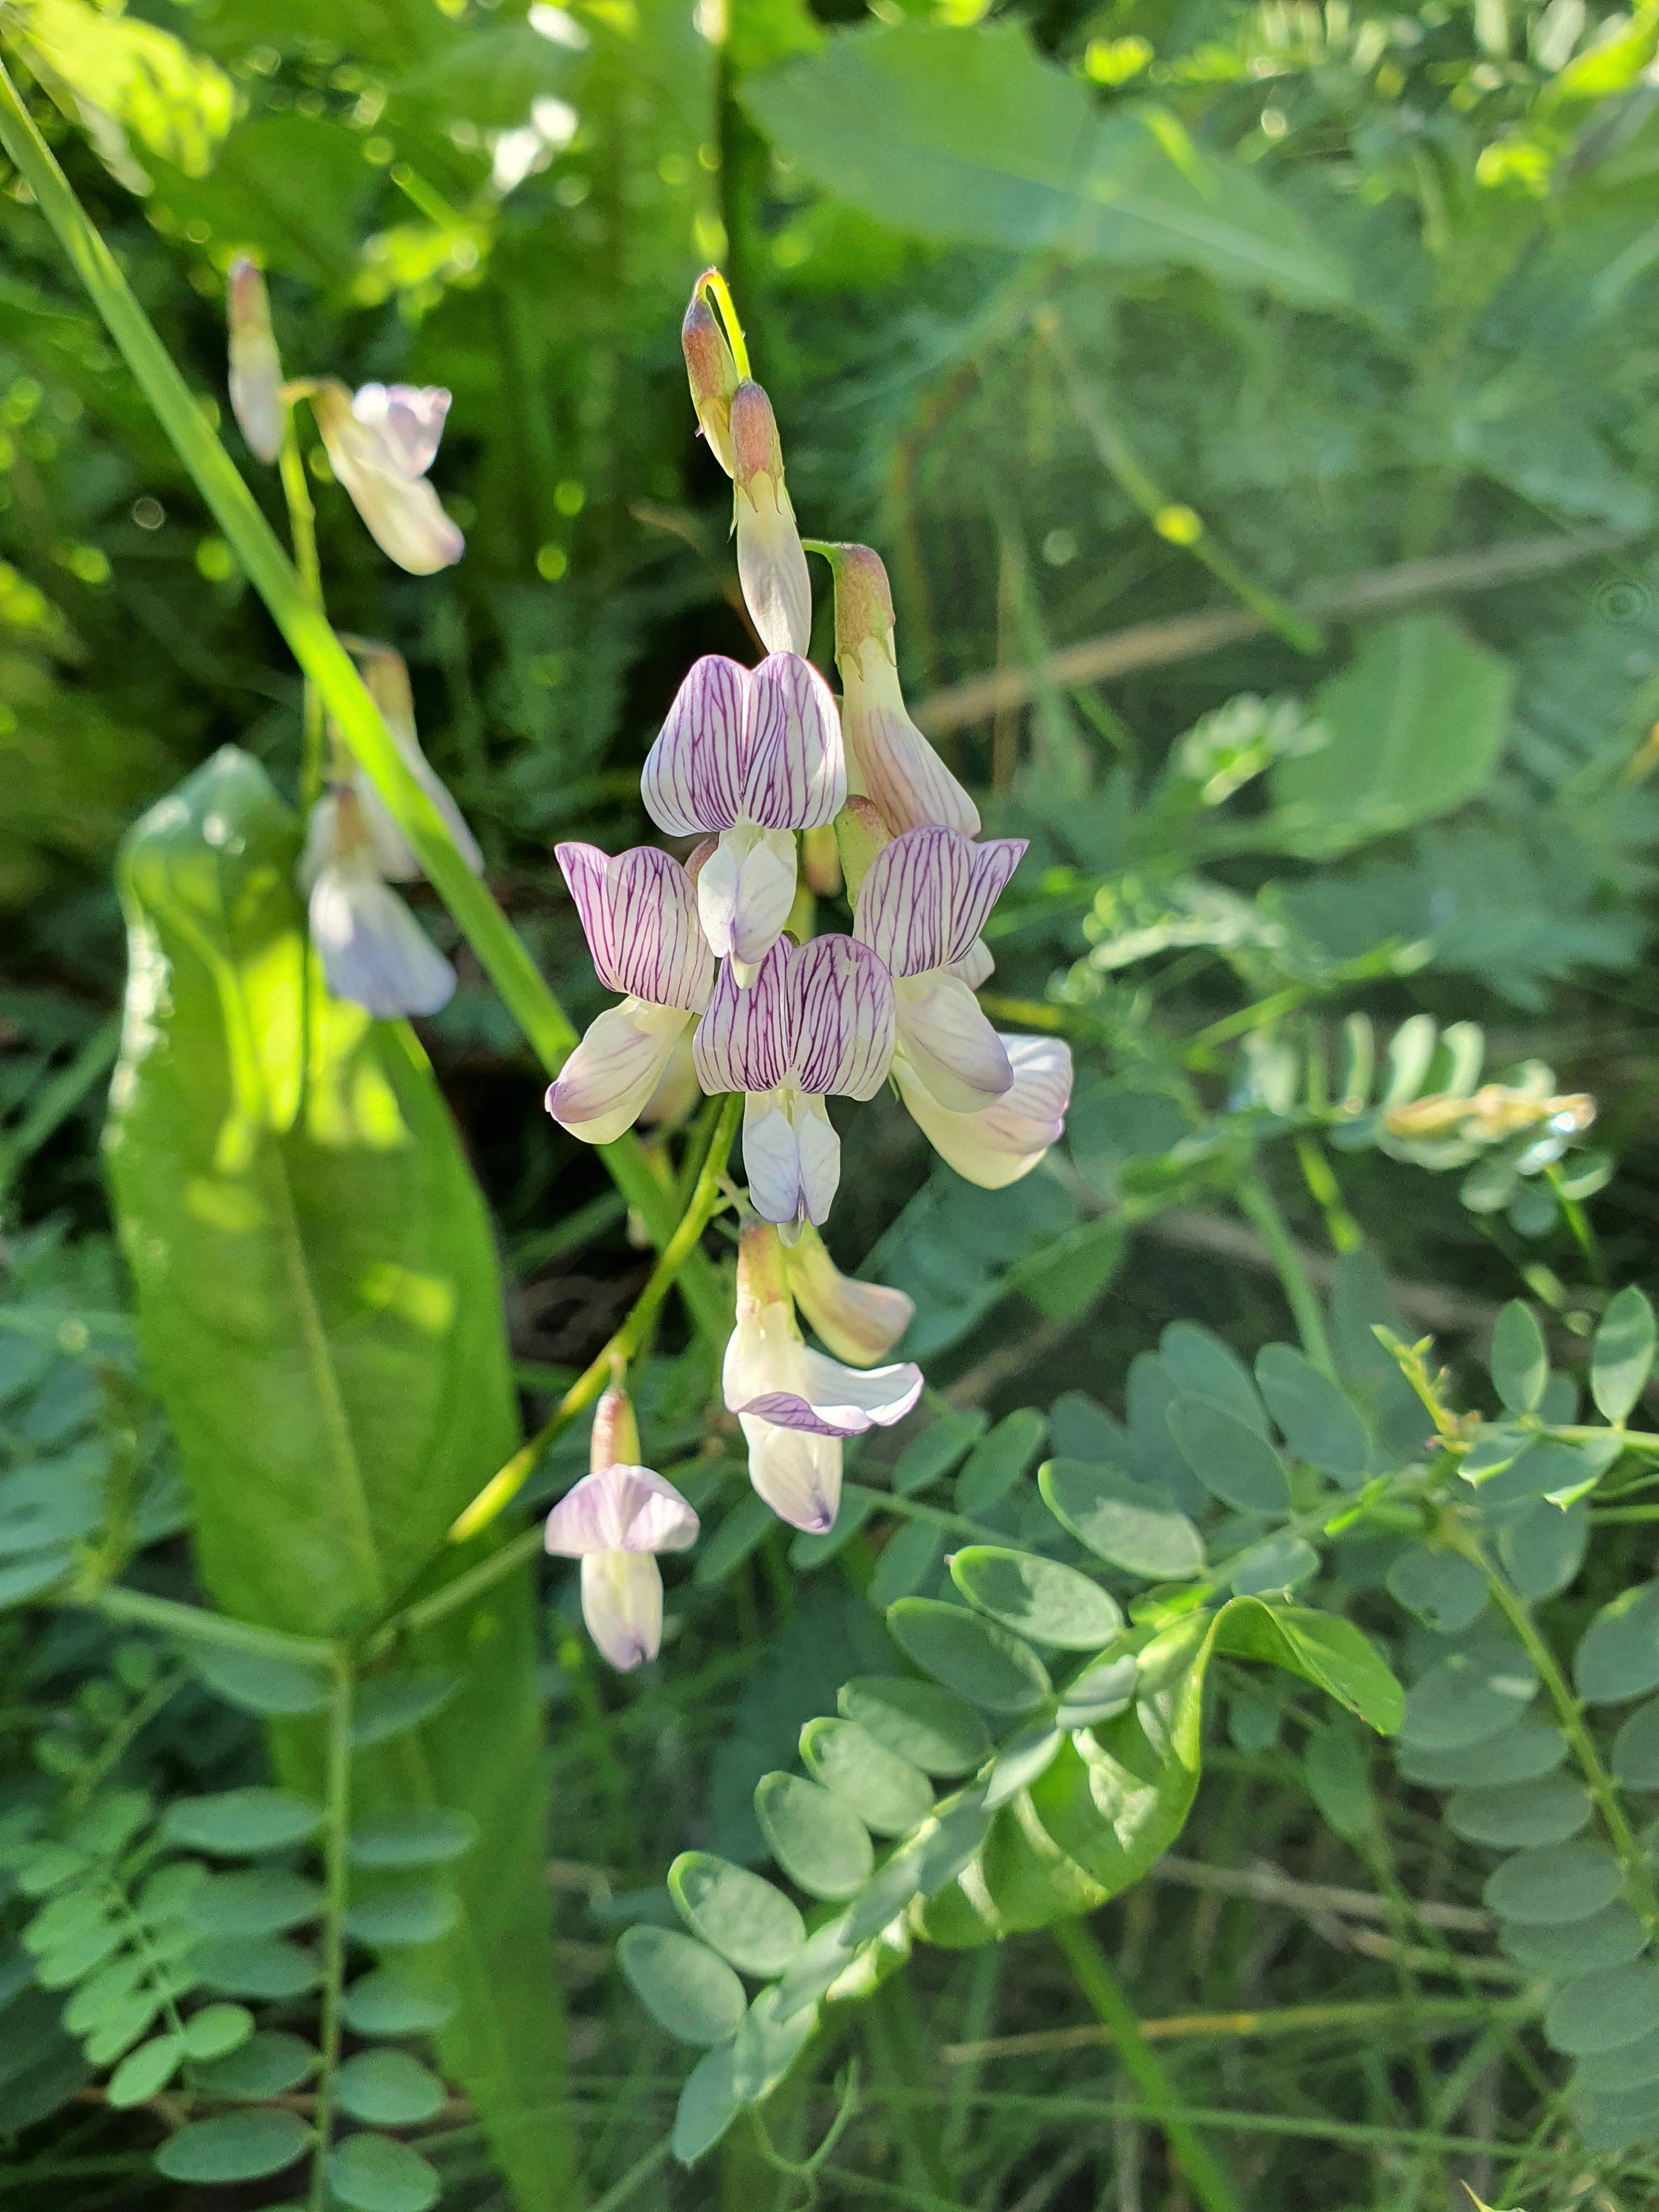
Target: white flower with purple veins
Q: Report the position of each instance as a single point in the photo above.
(817, 1022)
(380, 442)
(889, 760)
(615, 1520)
(373, 951)
(1004, 1141)
(920, 907)
(639, 914)
(751, 756)
(794, 1405)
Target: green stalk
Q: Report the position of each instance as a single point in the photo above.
(1258, 1203)
(1087, 1961)
(199, 1627)
(326, 664)
(337, 1831)
(302, 531)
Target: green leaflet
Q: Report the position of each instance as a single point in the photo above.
(320, 1306)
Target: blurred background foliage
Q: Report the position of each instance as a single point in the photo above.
(1256, 409)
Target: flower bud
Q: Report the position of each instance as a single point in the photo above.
(858, 1321)
(616, 1439)
(820, 862)
(255, 367)
(713, 375)
(771, 563)
(861, 833)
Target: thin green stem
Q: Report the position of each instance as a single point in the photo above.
(57, 1100)
(197, 1625)
(302, 532)
(706, 1199)
(1639, 1877)
(337, 1833)
(1087, 1961)
(427, 1612)
(132, 1724)
(1259, 1204)
(500, 952)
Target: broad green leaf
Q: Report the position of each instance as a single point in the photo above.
(1415, 727)
(1618, 1656)
(818, 1840)
(1277, 1564)
(888, 1795)
(1517, 1815)
(767, 2045)
(104, 70)
(1129, 1523)
(1037, 1597)
(378, 2174)
(1338, 1776)
(1200, 1365)
(1520, 1359)
(261, 1901)
(142, 2072)
(412, 1912)
(964, 133)
(237, 1823)
(1322, 1648)
(977, 1659)
(919, 1721)
(388, 2088)
(1599, 2011)
(430, 1836)
(708, 2105)
(268, 2065)
(1622, 1358)
(1635, 1749)
(389, 1704)
(1630, 2066)
(397, 2001)
(216, 2031)
(1521, 1752)
(998, 1462)
(1543, 1550)
(931, 1454)
(1231, 1461)
(1442, 1587)
(684, 1986)
(254, 1965)
(740, 1914)
(1607, 1938)
(1554, 1885)
(745, 1525)
(1101, 1692)
(260, 1683)
(908, 1561)
(1320, 1423)
(234, 2147)
(1468, 1697)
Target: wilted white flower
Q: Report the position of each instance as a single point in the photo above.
(255, 367)
(380, 442)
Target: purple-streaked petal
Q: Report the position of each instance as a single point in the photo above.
(949, 1042)
(795, 771)
(993, 863)
(622, 1604)
(798, 1475)
(846, 1025)
(746, 1040)
(621, 1509)
(639, 913)
(858, 1321)
(409, 419)
(771, 565)
(745, 890)
(926, 896)
(771, 1158)
(833, 1401)
(890, 759)
(373, 951)
(1001, 1143)
(694, 773)
(603, 1087)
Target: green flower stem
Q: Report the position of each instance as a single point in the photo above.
(199, 1627)
(1256, 1201)
(1087, 1961)
(426, 1612)
(1639, 1877)
(57, 1099)
(326, 664)
(913, 1508)
(337, 1833)
(302, 531)
(706, 1199)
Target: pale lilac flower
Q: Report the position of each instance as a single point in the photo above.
(615, 1520)
(771, 562)
(857, 1321)
(818, 1021)
(381, 443)
(889, 760)
(255, 367)
(373, 951)
(793, 1405)
(1003, 1141)
(639, 914)
(749, 756)
(923, 901)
